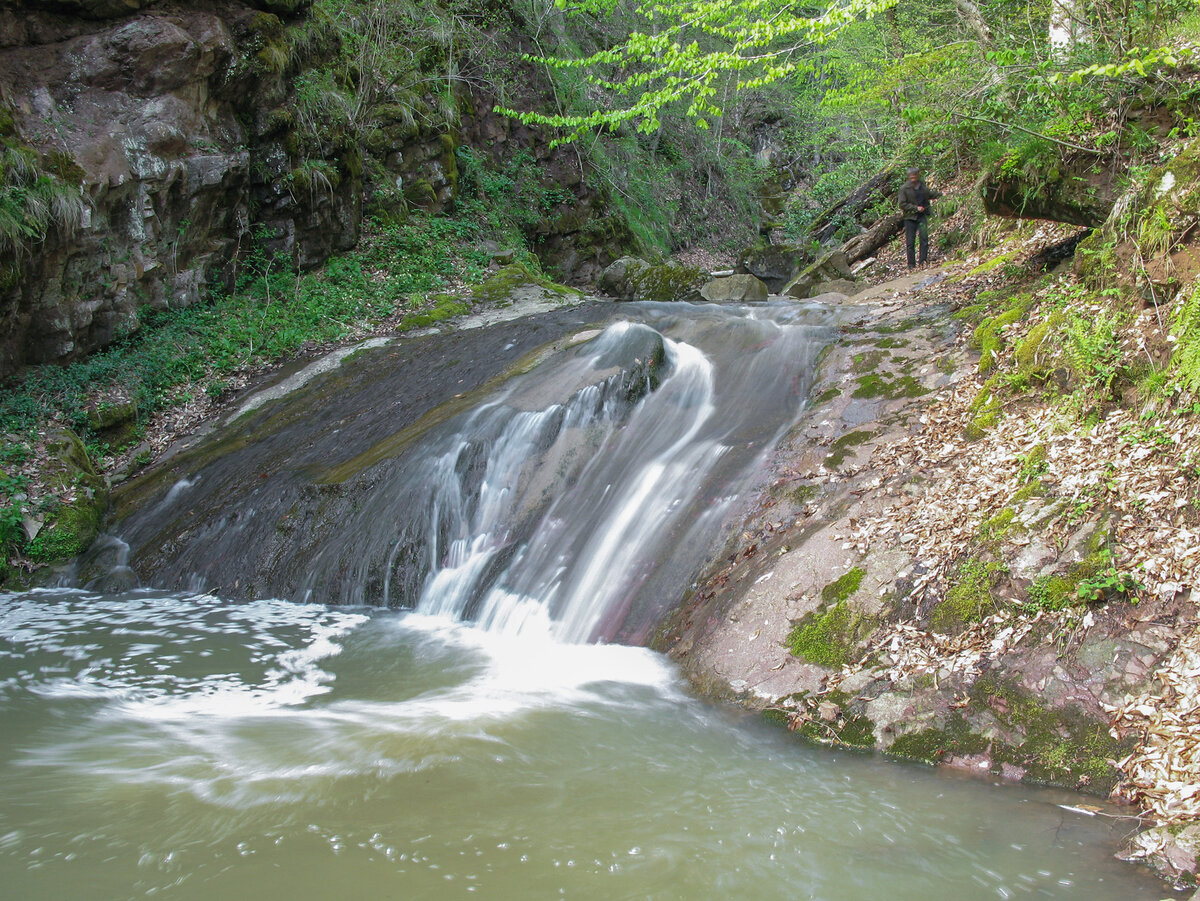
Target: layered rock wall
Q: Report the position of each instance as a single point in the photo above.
(175, 131)
(162, 119)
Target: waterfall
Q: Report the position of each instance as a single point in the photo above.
(575, 498)
(617, 474)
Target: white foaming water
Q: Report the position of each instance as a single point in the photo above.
(195, 674)
(190, 749)
(599, 534)
(153, 655)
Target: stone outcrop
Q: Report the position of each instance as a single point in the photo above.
(830, 273)
(734, 289)
(773, 264)
(782, 620)
(172, 126)
(631, 278)
(174, 135)
(617, 278)
(1080, 192)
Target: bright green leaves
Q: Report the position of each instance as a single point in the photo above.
(1139, 60)
(690, 51)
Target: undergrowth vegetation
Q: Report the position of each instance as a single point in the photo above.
(390, 281)
(273, 312)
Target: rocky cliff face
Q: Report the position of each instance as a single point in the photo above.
(161, 118)
(168, 133)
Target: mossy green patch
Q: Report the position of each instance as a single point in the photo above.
(985, 410)
(889, 343)
(775, 716)
(1054, 746)
(874, 384)
(971, 313)
(1058, 591)
(1036, 355)
(442, 307)
(828, 637)
(801, 494)
(842, 587)
(932, 745)
(827, 395)
(998, 527)
(498, 290)
(69, 527)
(844, 446)
(68, 531)
(867, 361)
(988, 337)
(994, 263)
(667, 281)
(968, 598)
(848, 729)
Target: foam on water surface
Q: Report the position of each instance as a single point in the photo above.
(189, 748)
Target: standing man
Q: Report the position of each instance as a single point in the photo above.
(914, 199)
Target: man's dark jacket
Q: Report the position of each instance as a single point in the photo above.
(912, 196)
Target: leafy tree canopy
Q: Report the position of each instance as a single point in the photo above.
(688, 50)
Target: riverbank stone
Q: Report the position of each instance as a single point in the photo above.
(631, 278)
(734, 289)
(773, 264)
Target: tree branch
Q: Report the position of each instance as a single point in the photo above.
(1028, 131)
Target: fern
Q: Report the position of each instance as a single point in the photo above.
(1091, 347)
(1185, 328)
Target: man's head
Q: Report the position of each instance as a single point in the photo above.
(914, 175)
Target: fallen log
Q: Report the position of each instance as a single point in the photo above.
(882, 185)
(862, 246)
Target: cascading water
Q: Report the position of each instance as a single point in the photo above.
(234, 745)
(577, 497)
(609, 476)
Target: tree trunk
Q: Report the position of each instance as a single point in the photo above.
(880, 186)
(894, 33)
(862, 246)
(973, 19)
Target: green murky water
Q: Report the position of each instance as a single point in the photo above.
(181, 747)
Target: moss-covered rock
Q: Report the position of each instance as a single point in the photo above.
(882, 385)
(932, 745)
(440, 308)
(773, 264)
(115, 423)
(968, 598)
(631, 278)
(985, 410)
(844, 446)
(988, 337)
(518, 281)
(734, 289)
(1094, 578)
(1050, 745)
(1038, 357)
(72, 524)
(1035, 182)
(829, 636)
(667, 282)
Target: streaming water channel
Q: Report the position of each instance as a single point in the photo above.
(444, 701)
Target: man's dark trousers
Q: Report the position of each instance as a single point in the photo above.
(911, 228)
